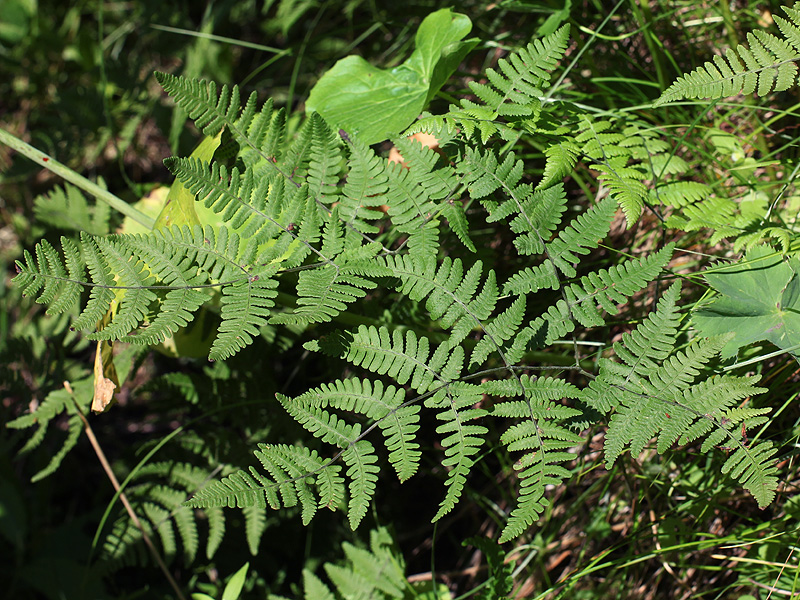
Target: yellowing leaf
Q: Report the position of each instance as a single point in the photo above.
(105, 376)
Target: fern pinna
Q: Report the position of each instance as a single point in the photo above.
(324, 216)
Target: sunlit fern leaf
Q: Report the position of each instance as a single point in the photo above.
(417, 187)
(453, 211)
(257, 129)
(780, 235)
(600, 291)
(239, 489)
(325, 291)
(177, 306)
(790, 28)
(499, 330)
(405, 358)
(461, 439)
(245, 307)
(450, 293)
(363, 473)
(325, 162)
(133, 298)
(364, 188)
(293, 470)
(625, 186)
(680, 193)
(622, 158)
(561, 159)
(424, 240)
(653, 393)
(382, 404)
(435, 175)
(323, 424)
(768, 65)
(540, 436)
(484, 174)
(357, 454)
(578, 238)
(536, 213)
(514, 92)
(243, 203)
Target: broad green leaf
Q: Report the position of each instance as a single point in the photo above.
(181, 207)
(15, 20)
(759, 300)
(375, 104)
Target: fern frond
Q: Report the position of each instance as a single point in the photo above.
(542, 439)
(244, 204)
(56, 282)
(377, 573)
(364, 188)
(450, 293)
(513, 93)
(325, 162)
(363, 472)
(417, 188)
(499, 330)
(680, 193)
(67, 208)
(463, 439)
(578, 238)
(55, 403)
(178, 305)
(158, 493)
(383, 405)
(596, 292)
(768, 65)
(653, 394)
(326, 291)
(259, 130)
(561, 159)
(406, 359)
(245, 308)
(625, 159)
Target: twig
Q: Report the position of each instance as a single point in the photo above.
(107, 468)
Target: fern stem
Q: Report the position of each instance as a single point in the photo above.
(74, 178)
(131, 513)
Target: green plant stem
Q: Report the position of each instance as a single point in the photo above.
(74, 178)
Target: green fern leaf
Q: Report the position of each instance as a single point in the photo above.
(67, 208)
(325, 162)
(406, 359)
(653, 394)
(364, 189)
(537, 435)
(463, 440)
(561, 159)
(451, 294)
(363, 473)
(384, 406)
(769, 65)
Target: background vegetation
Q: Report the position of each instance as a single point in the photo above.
(77, 83)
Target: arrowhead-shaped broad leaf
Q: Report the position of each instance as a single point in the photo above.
(759, 300)
(375, 104)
